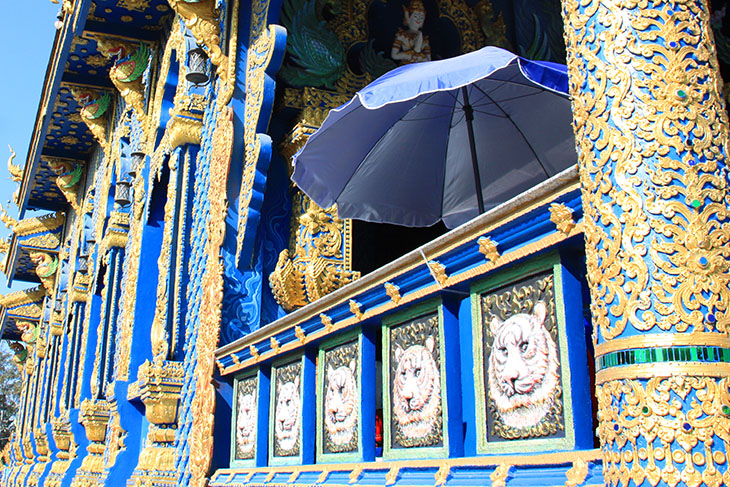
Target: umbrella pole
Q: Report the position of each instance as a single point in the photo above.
(469, 114)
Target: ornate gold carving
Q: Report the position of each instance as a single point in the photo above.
(158, 386)
(500, 475)
(184, 130)
(653, 183)
(294, 475)
(94, 111)
(287, 283)
(94, 415)
(392, 474)
(488, 247)
(652, 415)
(254, 352)
(355, 309)
(159, 335)
(562, 217)
(261, 50)
(438, 271)
(62, 434)
(442, 474)
(577, 474)
(321, 263)
(393, 292)
(323, 476)
(156, 459)
(275, 345)
(201, 18)
(80, 289)
(117, 232)
(46, 267)
(127, 73)
(68, 174)
(355, 474)
(327, 322)
(29, 299)
(30, 226)
(16, 172)
(203, 404)
(300, 334)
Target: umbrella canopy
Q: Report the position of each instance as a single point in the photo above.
(399, 151)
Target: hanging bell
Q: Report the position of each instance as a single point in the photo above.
(197, 66)
(137, 160)
(122, 194)
(83, 263)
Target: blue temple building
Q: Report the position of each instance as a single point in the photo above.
(193, 318)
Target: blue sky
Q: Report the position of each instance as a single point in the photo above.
(27, 32)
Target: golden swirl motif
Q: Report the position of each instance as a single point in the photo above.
(651, 134)
(647, 435)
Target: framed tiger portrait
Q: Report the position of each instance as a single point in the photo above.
(413, 367)
(521, 375)
(245, 419)
(285, 411)
(339, 399)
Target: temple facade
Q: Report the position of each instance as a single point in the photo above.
(194, 319)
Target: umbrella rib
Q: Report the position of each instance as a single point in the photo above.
(532, 149)
(446, 153)
(376, 142)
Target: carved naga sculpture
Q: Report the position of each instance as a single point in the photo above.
(46, 267)
(16, 173)
(94, 108)
(69, 174)
(131, 62)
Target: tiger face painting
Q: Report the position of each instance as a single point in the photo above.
(523, 368)
(340, 404)
(246, 424)
(287, 416)
(416, 390)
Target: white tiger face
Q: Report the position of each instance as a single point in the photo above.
(340, 403)
(523, 368)
(246, 423)
(287, 414)
(416, 389)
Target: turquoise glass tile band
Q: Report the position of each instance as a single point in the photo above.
(665, 354)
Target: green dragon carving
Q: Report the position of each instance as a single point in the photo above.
(316, 56)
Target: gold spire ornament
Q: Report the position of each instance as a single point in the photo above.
(16, 172)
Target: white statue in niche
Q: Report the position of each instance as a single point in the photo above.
(523, 368)
(340, 403)
(246, 423)
(411, 45)
(416, 389)
(287, 414)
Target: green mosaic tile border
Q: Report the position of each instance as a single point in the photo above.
(665, 354)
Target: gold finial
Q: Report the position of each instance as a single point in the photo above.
(16, 172)
(562, 217)
(299, 332)
(356, 309)
(488, 247)
(275, 345)
(393, 291)
(9, 221)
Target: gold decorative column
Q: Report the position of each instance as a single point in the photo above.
(318, 260)
(652, 136)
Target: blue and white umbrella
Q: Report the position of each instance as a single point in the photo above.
(405, 150)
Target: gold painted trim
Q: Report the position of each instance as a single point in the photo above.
(648, 371)
(264, 333)
(664, 340)
(536, 198)
(444, 463)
